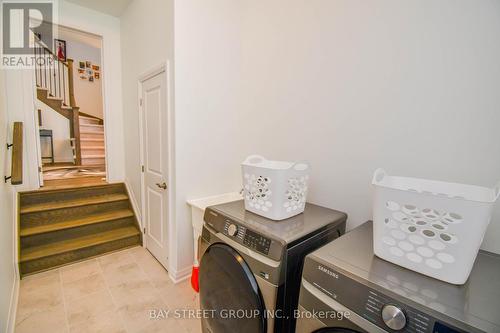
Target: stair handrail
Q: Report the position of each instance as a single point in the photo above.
(16, 171)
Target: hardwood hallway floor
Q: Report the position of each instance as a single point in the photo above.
(109, 294)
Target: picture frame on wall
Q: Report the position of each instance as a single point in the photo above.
(91, 78)
(97, 75)
(95, 67)
(88, 64)
(60, 49)
(81, 64)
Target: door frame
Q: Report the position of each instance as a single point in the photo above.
(161, 69)
(105, 110)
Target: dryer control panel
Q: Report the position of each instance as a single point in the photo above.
(378, 308)
(243, 235)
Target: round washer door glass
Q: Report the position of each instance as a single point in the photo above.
(230, 292)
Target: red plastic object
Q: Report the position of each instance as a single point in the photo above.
(195, 283)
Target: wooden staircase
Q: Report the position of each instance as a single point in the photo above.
(92, 141)
(59, 227)
(55, 88)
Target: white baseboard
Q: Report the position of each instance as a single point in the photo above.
(135, 204)
(11, 319)
(180, 275)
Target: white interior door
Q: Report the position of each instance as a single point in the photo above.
(155, 163)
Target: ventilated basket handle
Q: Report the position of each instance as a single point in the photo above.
(378, 175)
(300, 166)
(254, 159)
(497, 191)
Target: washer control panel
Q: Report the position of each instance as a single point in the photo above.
(257, 242)
(243, 235)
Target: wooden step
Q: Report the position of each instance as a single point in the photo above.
(75, 232)
(89, 147)
(73, 203)
(93, 161)
(91, 128)
(87, 120)
(65, 246)
(87, 156)
(55, 195)
(47, 217)
(94, 140)
(91, 135)
(92, 151)
(76, 222)
(60, 227)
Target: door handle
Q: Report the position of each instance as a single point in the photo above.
(162, 185)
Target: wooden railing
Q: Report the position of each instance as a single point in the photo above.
(16, 173)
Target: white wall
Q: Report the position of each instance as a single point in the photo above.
(214, 128)
(7, 271)
(147, 42)
(60, 134)
(88, 95)
(80, 18)
(348, 85)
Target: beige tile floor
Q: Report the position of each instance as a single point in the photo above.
(109, 294)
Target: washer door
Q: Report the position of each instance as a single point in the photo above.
(229, 290)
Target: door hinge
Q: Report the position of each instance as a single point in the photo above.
(142, 168)
(39, 169)
(144, 230)
(140, 101)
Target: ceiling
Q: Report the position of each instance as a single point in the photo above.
(111, 7)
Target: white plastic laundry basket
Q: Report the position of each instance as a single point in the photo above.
(274, 189)
(432, 227)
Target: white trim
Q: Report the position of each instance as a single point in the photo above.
(135, 204)
(14, 297)
(15, 243)
(163, 67)
(104, 105)
(180, 275)
(158, 69)
(38, 147)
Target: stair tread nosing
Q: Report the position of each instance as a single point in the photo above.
(85, 156)
(92, 139)
(92, 125)
(37, 252)
(78, 222)
(92, 200)
(93, 132)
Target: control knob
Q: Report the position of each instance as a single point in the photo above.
(393, 317)
(232, 230)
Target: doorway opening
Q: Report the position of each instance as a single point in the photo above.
(70, 110)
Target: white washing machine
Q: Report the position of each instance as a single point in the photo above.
(345, 288)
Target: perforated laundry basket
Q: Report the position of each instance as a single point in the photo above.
(274, 189)
(432, 227)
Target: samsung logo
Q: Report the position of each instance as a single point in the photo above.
(327, 271)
